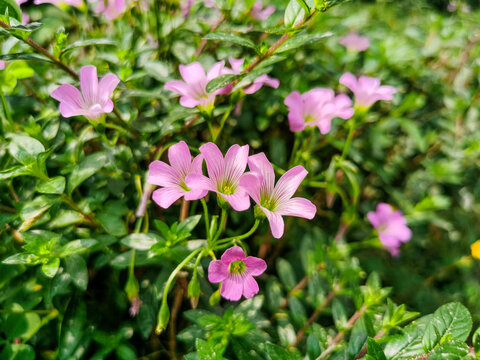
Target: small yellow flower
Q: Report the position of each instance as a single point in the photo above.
(476, 249)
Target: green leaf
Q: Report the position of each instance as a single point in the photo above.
(24, 149)
(83, 43)
(276, 352)
(112, 224)
(294, 14)
(339, 314)
(24, 56)
(21, 325)
(17, 352)
(286, 274)
(305, 6)
(72, 328)
(450, 319)
(76, 247)
(301, 40)
(360, 332)
(187, 225)
(232, 38)
(15, 171)
(22, 258)
(54, 185)
(34, 209)
(451, 350)
(208, 351)
(14, 10)
(76, 267)
(140, 241)
(51, 268)
(221, 81)
(476, 341)
(375, 350)
(87, 167)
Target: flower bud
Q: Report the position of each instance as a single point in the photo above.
(163, 317)
(194, 290)
(131, 288)
(215, 298)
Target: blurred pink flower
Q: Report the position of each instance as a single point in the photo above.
(224, 174)
(391, 227)
(317, 107)
(276, 200)
(111, 9)
(259, 13)
(236, 272)
(3, 64)
(93, 101)
(237, 65)
(185, 6)
(193, 89)
(367, 90)
(172, 177)
(75, 3)
(135, 306)
(355, 42)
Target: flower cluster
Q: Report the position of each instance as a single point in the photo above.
(193, 88)
(227, 178)
(391, 226)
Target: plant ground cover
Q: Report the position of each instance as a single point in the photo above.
(238, 180)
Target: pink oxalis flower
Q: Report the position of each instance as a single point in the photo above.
(237, 65)
(75, 3)
(367, 90)
(111, 9)
(259, 13)
(355, 42)
(391, 227)
(3, 64)
(317, 107)
(193, 89)
(236, 272)
(172, 177)
(224, 174)
(276, 201)
(93, 101)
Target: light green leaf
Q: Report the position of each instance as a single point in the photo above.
(76, 247)
(87, 167)
(232, 38)
(221, 81)
(76, 267)
(24, 149)
(54, 185)
(14, 10)
(301, 40)
(294, 14)
(140, 241)
(51, 268)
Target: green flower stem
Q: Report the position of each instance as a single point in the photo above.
(6, 109)
(172, 277)
(240, 237)
(222, 123)
(220, 226)
(351, 132)
(317, 184)
(296, 144)
(207, 220)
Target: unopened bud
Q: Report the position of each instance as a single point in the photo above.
(215, 298)
(194, 290)
(163, 317)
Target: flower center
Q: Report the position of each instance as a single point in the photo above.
(309, 118)
(227, 188)
(382, 228)
(268, 203)
(237, 267)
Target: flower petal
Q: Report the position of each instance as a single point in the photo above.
(236, 160)
(250, 287)
(195, 194)
(162, 174)
(217, 271)
(215, 162)
(178, 86)
(251, 182)
(89, 84)
(180, 157)
(194, 75)
(289, 183)
(276, 223)
(68, 94)
(233, 254)
(236, 65)
(349, 80)
(105, 89)
(199, 182)
(232, 288)
(239, 201)
(298, 207)
(255, 265)
(166, 196)
(260, 164)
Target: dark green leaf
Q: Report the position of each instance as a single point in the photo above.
(87, 167)
(301, 40)
(54, 185)
(24, 56)
(231, 38)
(375, 350)
(83, 43)
(14, 10)
(72, 328)
(76, 267)
(451, 350)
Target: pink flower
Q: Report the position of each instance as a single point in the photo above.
(391, 227)
(172, 177)
(185, 6)
(111, 9)
(259, 13)
(355, 42)
(237, 65)
(3, 64)
(75, 3)
(135, 306)
(367, 90)
(276, 200)
(194, 87)
(236, 273)
(317, 107)
(93, 101)
(224, 174)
